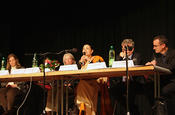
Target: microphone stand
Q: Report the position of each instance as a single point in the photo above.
(127, 84)
(44, 78)
(44, 74)
(44, 82)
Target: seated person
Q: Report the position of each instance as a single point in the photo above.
(87, 90)
(164, 56)
(10, 92)
(136, 84)
(68, 59)
(13, 93)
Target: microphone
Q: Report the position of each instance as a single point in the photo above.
(83, 63)
(73, 50)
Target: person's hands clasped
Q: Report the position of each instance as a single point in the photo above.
(11, 84)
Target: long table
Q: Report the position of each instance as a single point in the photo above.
(155, 71)
(86, 74)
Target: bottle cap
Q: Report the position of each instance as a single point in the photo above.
(112, 47)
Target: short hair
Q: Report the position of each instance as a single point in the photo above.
(163, 39)
(69, 54)
(128, 41)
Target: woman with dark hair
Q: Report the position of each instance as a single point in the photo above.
(87, 90)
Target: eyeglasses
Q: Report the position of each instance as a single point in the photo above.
(157, 45)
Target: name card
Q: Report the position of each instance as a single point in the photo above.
(47, 70)
(98, 65)
(68, 67)
(32, 70)
(4, 72)
(18, 71)
(10, 83)
(119, 64)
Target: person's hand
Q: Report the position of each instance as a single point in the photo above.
(122, 54)
(14, 86)
(148, 63)
(153, 62)
(84, 59)
(67, 85)
(11, 84)
(102, 80)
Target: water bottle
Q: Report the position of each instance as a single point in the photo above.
(35, 62)
(3, 64)
(111, 55)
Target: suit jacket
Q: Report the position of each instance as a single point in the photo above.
(137, 59)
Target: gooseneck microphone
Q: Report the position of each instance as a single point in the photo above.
(73, 50)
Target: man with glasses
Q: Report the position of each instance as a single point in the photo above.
(165, 57)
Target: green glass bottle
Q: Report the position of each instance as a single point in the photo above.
(111, 55)
(34, 62)
(3, 63)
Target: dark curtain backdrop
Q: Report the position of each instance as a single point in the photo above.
(52, 26)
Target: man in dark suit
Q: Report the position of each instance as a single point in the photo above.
(136, 85)
(165, 57)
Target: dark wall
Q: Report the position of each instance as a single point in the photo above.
(52, 26)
